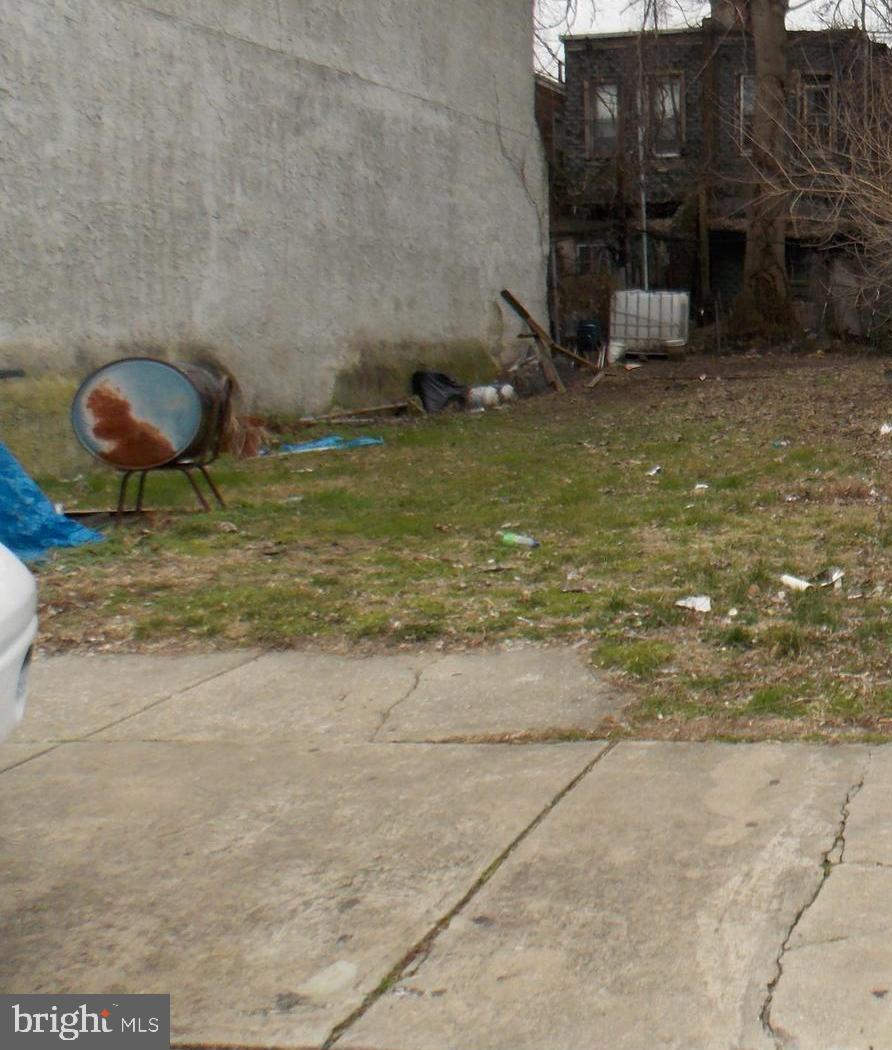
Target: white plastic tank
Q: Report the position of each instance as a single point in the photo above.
(642, 319)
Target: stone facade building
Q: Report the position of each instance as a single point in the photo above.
(658, 125)
(323, 196)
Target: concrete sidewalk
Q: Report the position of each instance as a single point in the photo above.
(308, 851)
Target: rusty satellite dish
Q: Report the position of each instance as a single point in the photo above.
(140, 414)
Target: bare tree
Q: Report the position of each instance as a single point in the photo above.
(551, 18)
(840, 189)
(764, 307)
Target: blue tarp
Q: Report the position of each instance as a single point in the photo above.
(29, 524)
(333, 441)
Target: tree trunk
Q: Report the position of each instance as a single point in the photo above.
(764, 308)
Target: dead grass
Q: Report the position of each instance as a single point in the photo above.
(396, 546)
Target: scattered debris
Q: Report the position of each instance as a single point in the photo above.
(632, 365)
(543, 342)
(831, 577)
(885, 429)
(700, 603)
(245, 436)
(483, 397)
(271, 549)
(518, 539)
(412, 406)
(545, 345)
(701, 486)
(782, 443)
(616, 351)
(227, 526)
(29, 524)
(795, 583)
(438, 391)
(652, 473)
(490, 396)
(329, 443)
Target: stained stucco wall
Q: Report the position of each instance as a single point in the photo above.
(324, 193)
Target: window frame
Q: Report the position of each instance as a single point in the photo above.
(593, 147)
(653, 79)
(597, 255)
(809, 82)
(745, 133)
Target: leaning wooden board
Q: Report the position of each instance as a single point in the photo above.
(544, 339)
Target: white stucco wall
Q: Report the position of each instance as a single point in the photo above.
(296, 184)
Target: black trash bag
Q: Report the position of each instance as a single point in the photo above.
(438, 390)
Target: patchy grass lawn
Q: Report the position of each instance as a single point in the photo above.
(397, 545)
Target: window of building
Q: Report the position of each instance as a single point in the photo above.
(746, 107)
(603, 117)
(666, 117)
(816, 110)
(592, 257)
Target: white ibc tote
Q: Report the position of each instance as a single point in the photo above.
(643, 320)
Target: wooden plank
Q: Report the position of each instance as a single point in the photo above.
(550, 372)
(543, 336)
(350, 413)
(541, 341)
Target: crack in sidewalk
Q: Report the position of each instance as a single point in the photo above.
(164, 699)
(54, 745)
(385, 715)
(415, 957)
(830, 859)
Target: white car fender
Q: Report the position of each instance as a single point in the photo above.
(18, 629)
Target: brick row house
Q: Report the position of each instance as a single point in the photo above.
(676, 107)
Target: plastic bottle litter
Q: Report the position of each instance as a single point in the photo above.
(517, 539)
(652, 473)
(831, 577)
(794, 583)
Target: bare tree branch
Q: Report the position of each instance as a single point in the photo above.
(551, 19)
